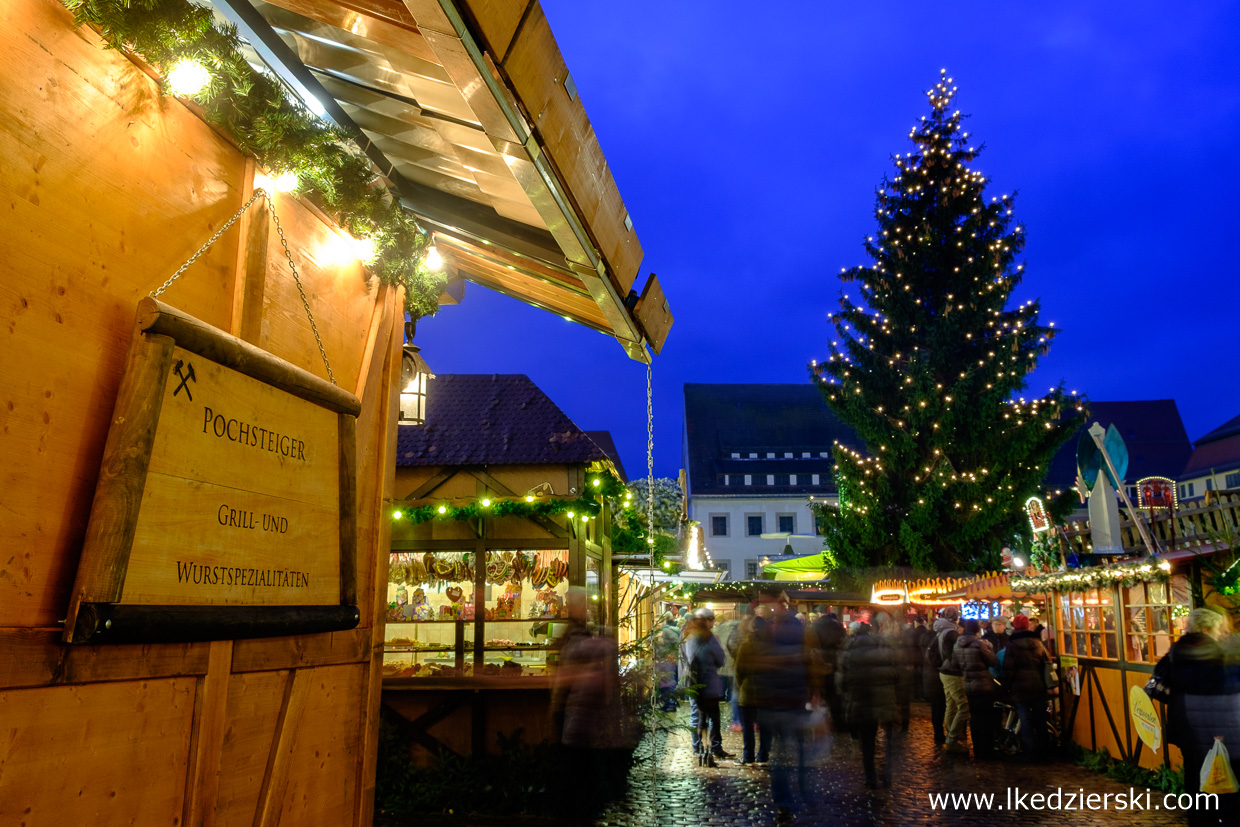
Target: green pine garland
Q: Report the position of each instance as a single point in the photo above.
(1125, 574)
(254, 109)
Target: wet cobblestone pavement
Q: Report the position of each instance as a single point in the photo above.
(683, 794)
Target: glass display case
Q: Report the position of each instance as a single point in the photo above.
(444, 616)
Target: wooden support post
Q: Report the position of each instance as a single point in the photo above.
(206, 746)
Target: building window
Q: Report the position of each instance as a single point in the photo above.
(1186, 490)
(753, 523)
(1233, 480)
(787, 523)
(724, 566)
(815, 479)
(748, 479)
(751, 569)
(718, 525)
(1210, 484)
(781, 479)
(1155, 615)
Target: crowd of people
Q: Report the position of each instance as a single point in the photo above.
(778, 670)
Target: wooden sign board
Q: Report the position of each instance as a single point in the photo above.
(225, 506)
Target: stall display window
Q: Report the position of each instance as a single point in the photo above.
(1087, 624)
(1155, 616)
(436, 613)
(594, 590)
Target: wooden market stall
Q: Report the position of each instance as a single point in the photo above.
(501, 514)
(133, 687)
(1112, 623)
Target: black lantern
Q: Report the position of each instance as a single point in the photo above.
(415, 375)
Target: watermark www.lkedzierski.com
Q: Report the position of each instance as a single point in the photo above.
(1061, 800)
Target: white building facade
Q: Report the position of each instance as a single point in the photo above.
(754, 456)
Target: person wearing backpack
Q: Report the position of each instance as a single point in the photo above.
(701, 658)
(956, 706)
(932, 686)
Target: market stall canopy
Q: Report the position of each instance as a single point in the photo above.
(806, 567)
(467, 108)
(990, 588)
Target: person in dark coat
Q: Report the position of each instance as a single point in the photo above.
(868, 678)
(828, 636)
(1205, 702)
(974, 657)
(921, 639)
(783, 686)
(755, 640)
(1023, 677)
(997, 635)
(701, 658)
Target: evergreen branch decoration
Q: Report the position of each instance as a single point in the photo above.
(255, 110)
(1124, 574)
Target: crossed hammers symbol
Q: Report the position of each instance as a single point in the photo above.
(185, 377)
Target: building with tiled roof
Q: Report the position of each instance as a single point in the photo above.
(492, 419)
(754, 454)
(1215, 462)
(1152, 430)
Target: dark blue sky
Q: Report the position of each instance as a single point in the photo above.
(748, 140)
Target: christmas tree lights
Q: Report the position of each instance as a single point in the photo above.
(928, 366)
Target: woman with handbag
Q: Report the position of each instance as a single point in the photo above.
(1204, 686)
(1025, 667)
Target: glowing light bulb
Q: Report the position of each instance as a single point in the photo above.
(486, 503)
(284, 182)
(433, 260)
(188, 77)
(443, 509)
(397, 514)
(529, 498)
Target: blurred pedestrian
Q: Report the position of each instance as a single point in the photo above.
(725, 631)
(1024, 665)
(956, 703)
(784, 691)
(701, 658)
(868, 678)
(755, 639)
(997, 635)
(974, 658)
(664, 647)
(826, 641)
(1205, 702)
(584, 696)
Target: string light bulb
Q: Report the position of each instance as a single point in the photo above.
(188, 77)
(433, 260)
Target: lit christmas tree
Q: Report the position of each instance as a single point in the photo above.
(928, 368)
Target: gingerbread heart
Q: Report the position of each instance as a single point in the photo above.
(454, 593)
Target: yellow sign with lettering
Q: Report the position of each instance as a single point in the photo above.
(1145, 718)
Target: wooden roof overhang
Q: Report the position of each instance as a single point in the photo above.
(468, 110)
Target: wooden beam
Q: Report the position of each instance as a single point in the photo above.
(504, 544)
(348, 509)
(122, 475)
(207, 738)
(326, 649)
(425, 489)
(155, 317)
(491, 482)
(283, 743)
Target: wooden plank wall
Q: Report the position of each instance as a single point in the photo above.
(107, 189)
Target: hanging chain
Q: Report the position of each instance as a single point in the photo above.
(210, 241)
(296, 278)
(262, 193)
(650, 464)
